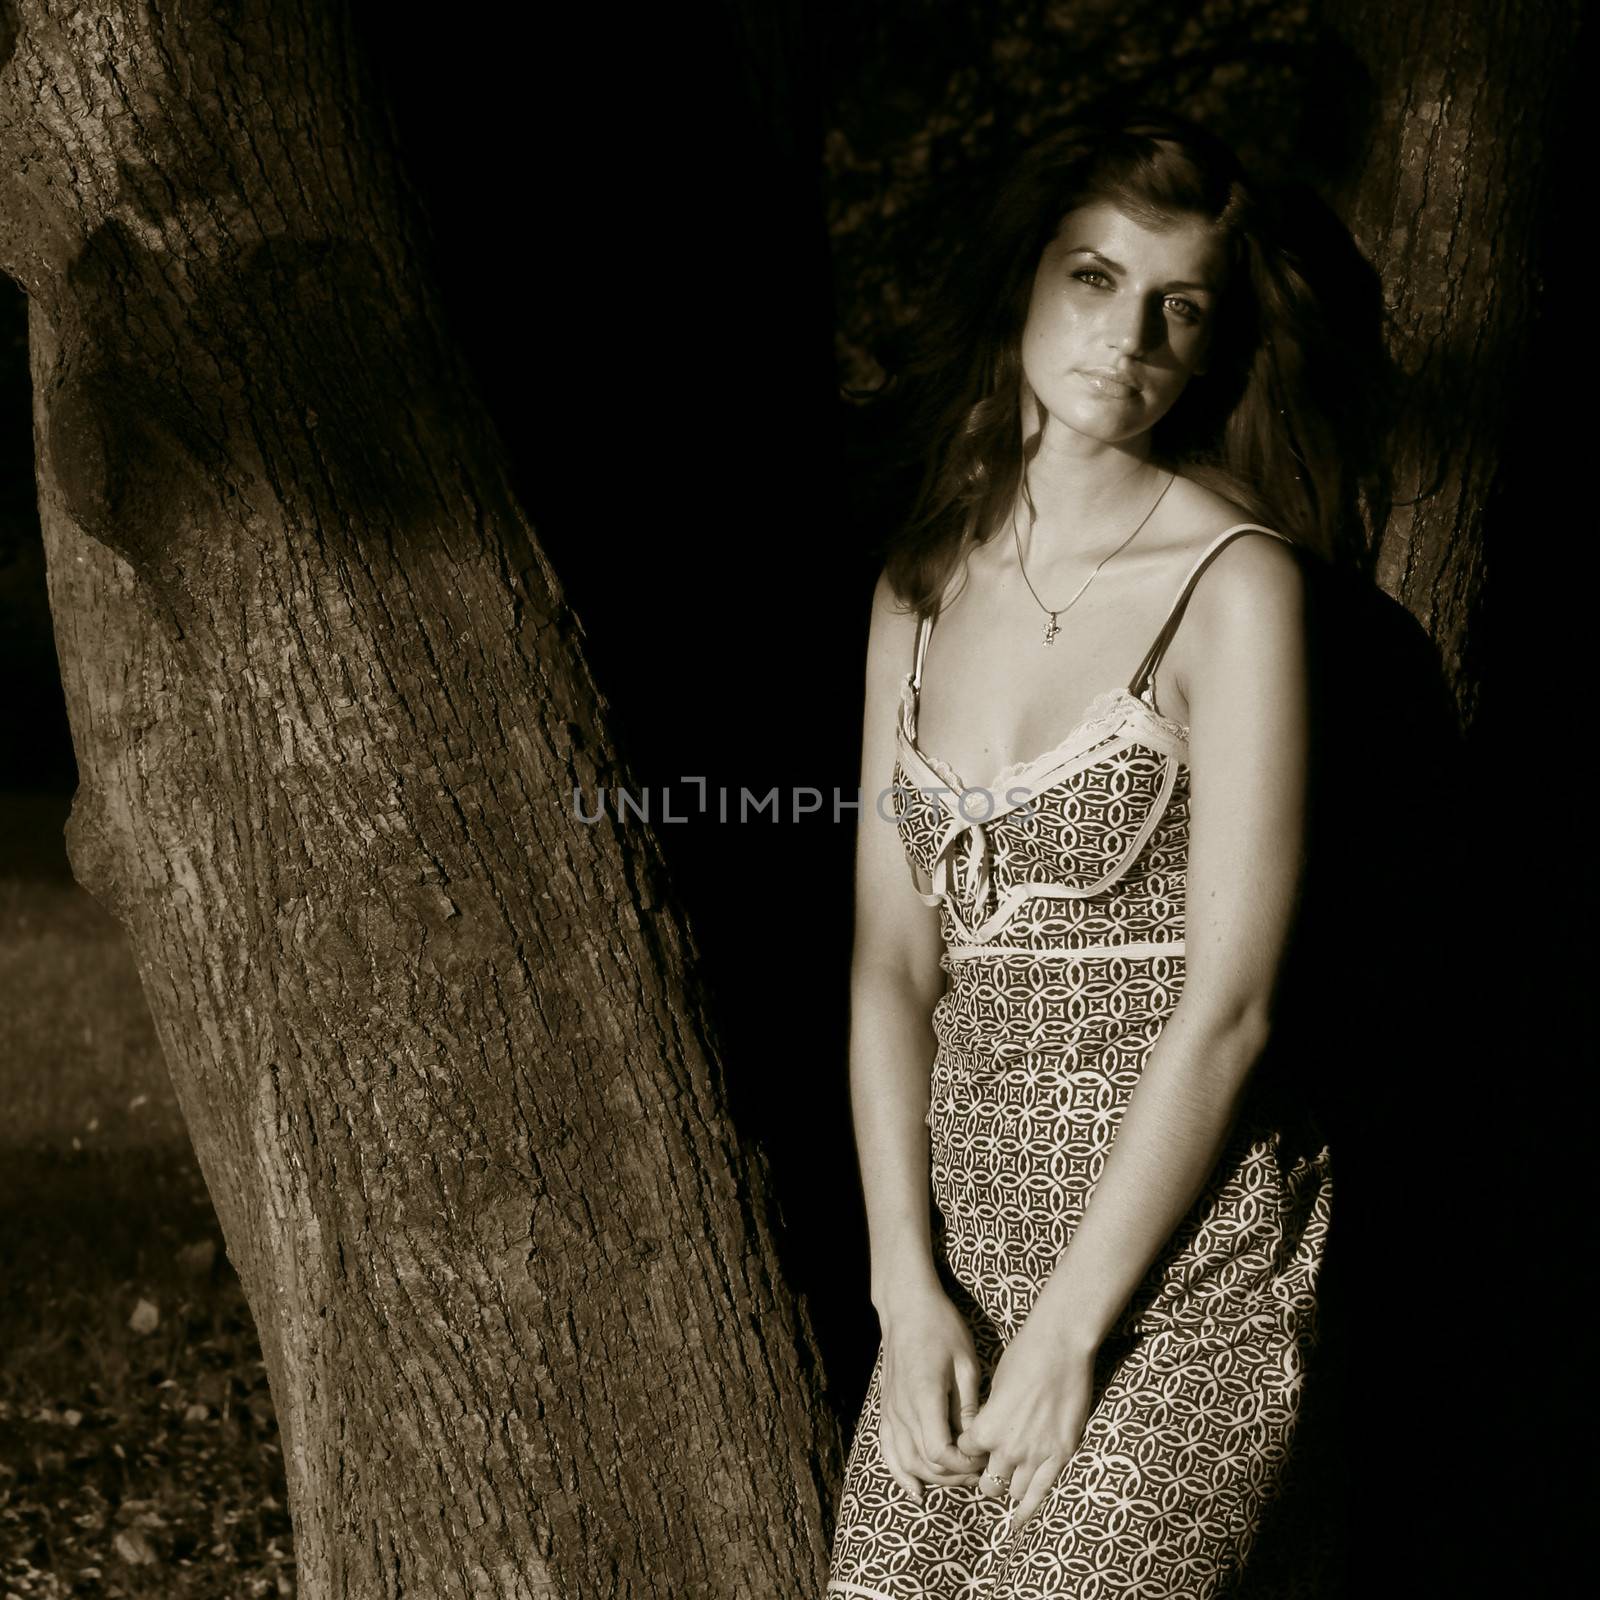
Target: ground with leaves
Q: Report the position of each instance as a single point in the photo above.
(138, 1451)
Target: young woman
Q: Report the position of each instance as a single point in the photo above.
(1087, 722)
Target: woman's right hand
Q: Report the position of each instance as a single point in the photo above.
(928, 1390)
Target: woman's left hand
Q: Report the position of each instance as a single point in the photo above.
(1038, 1403)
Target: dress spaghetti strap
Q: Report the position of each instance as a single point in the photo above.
(1145, 678)
(924, 628)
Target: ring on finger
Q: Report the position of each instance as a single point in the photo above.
(992, 1483)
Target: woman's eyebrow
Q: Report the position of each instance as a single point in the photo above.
(1117, 266)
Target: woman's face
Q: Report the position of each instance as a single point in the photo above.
(1120, 319)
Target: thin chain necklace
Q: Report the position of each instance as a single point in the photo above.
(1050, 628)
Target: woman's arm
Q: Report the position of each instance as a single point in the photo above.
(895, 981)
(1247, 697)
(1247, 692)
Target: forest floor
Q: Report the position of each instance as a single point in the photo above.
(139, 1455)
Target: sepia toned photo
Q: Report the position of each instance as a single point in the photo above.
(772, 801)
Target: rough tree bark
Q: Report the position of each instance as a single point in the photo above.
(1446, 200)
(438, 1042)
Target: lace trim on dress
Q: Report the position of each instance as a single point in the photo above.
(1170, 725)
(1111, 709)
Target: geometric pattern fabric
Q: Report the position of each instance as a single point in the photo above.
(1061, 899)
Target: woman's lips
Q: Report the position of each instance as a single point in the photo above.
(1106, 383)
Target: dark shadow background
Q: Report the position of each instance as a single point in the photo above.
(633, 239)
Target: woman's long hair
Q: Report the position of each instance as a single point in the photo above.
(1282, 423)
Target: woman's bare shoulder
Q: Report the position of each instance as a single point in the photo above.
(1250, 581)
(1202, 515)
(1251, 589)
(891, 616)
(885, 602)
(896, 617)
(892, 630)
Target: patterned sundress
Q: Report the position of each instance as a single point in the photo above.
(1062, 909)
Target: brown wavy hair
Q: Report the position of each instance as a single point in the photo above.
(1283, 423)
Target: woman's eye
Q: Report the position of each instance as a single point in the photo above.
(1084, 274)
(1186, 309)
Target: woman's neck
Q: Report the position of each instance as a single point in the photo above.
(1086, 495)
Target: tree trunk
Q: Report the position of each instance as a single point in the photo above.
(438, 1040)
(1447, 201)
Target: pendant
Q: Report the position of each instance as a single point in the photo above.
(1051, 630)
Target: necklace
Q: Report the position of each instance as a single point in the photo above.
(1051, 629)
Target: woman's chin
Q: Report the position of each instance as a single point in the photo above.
(1103, 424)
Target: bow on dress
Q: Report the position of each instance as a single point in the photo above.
(977, 875)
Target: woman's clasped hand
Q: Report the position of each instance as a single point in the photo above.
(1027, 1429)
(936, 1428)
(929, 1391)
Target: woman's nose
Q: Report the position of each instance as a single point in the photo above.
(1130, 330)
